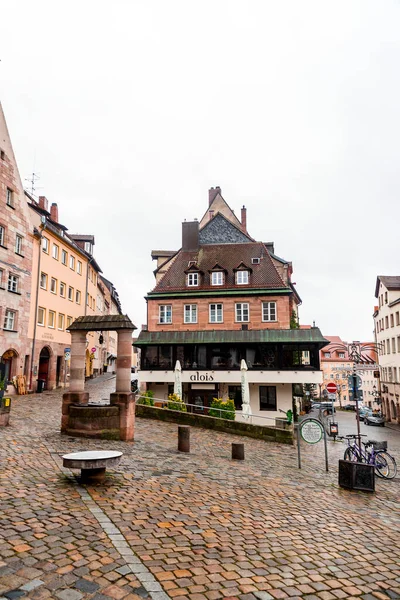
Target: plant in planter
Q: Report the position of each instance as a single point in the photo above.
(146, 398)
(223, 409)
(175, 403)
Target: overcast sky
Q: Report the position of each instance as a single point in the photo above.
(130, 110)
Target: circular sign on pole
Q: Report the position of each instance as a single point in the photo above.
(93, 350)
(331, 387)
(311, 431)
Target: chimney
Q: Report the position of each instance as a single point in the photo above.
(244, 218)
(190, 236)
(43, 202)
(54, 212)
(212, 192)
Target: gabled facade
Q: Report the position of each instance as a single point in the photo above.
(387, 334)
(16, 242)
(220, 299)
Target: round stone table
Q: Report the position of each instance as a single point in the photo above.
(93, 463)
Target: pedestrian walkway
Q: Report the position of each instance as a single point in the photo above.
(186, 526)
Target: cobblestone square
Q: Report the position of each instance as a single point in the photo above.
(186, 526)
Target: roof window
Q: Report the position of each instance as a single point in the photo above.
(255, 261)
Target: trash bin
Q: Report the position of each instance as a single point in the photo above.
(40, 385)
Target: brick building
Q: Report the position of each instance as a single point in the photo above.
(223, 297)
(16, 240)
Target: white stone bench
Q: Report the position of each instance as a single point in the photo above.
(93, 464)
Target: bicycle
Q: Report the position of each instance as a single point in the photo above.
(384, 463)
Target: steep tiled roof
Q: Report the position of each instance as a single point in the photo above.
(391, 282)
(102, 323)
(264, 275)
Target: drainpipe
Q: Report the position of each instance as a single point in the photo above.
(36, 304)
(87, 283)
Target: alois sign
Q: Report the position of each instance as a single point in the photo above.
(201, 377)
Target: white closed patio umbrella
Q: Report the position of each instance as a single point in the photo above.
(246, 408)
(178, 379)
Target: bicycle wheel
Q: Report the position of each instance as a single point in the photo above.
(352, 455)
(391, 463)
(381, 466)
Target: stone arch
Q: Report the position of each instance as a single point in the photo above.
(10, 363)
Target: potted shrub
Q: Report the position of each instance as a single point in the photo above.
(3, 385)
(146, 398)
(223, 409)
(175, 403)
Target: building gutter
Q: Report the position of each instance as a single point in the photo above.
(220, 293)
(36, 302)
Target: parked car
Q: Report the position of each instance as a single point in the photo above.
(374, 419)
(349, 407)
(323, 406)
(362, 411)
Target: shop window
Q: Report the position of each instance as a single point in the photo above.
(267, 397)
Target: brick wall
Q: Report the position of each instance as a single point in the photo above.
(255, 305)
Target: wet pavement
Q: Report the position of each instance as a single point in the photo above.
(186, 526)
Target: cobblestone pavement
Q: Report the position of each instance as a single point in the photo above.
(198, 526)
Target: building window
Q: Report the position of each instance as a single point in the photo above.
(78, 297)
(69, 321)
(43, 281)
(341, 355)
(52, 319)
(393, 345)
(61, 321)
(55, 251)
(235, 394)
(45, 244)
(87, 299)
(1, 279)
(88, 247)
(18, 244)
(10, 320)
(53, 285)
(190, 314)
(10, 198)
(242, 277)
(79, 268)
(391, 320)
(13, 281)
(2, 235)
(242, 312)
(217, 278)
(72, 262)
(193, 279)
(70, 293)
(398, 343)
(41, 316)
(269, 311)
(386, 297)
(62, 289)
(165, 313)
(64, 256)
(267, 397)
(386, 322)
(387, 346)
(216, 313)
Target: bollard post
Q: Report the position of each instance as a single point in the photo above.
(237, 451)
(183, 438)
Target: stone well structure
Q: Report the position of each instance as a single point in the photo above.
(79, 417)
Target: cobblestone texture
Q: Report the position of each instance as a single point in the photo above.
(197, 526)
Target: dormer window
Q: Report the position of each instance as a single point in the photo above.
(242, 277)
(193, 279)
(217, 278)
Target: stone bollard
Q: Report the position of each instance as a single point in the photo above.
(183, 438)
(237, 451)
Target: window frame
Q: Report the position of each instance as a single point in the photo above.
(239, 313)
(162, 308)
(191, 311)
(216, 274)
(43, 287)
(14, 280)
(10, 197)
(19, 246)
(45, 244)
(268, 304)
(72, 262)
(10, 311)
(239, 274)
(2, 236)
(192, 276)
(41, 323)
(79, 267)
(64, 253)
(269, 407)
(215, 304)
(62, 317)
(70, 295)
(63, 285)
(69, 321)
(53, 313)
(51, 285)
(55, 251)
(78, 295)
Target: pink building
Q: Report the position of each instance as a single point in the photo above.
(16, 240)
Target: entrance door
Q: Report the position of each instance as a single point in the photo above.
(58, 371)
(201, 401)
(44, 361)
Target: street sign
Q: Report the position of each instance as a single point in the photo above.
(331, 396)
(311, 431)
(331, 387)
(350, 382)
(67, 353)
